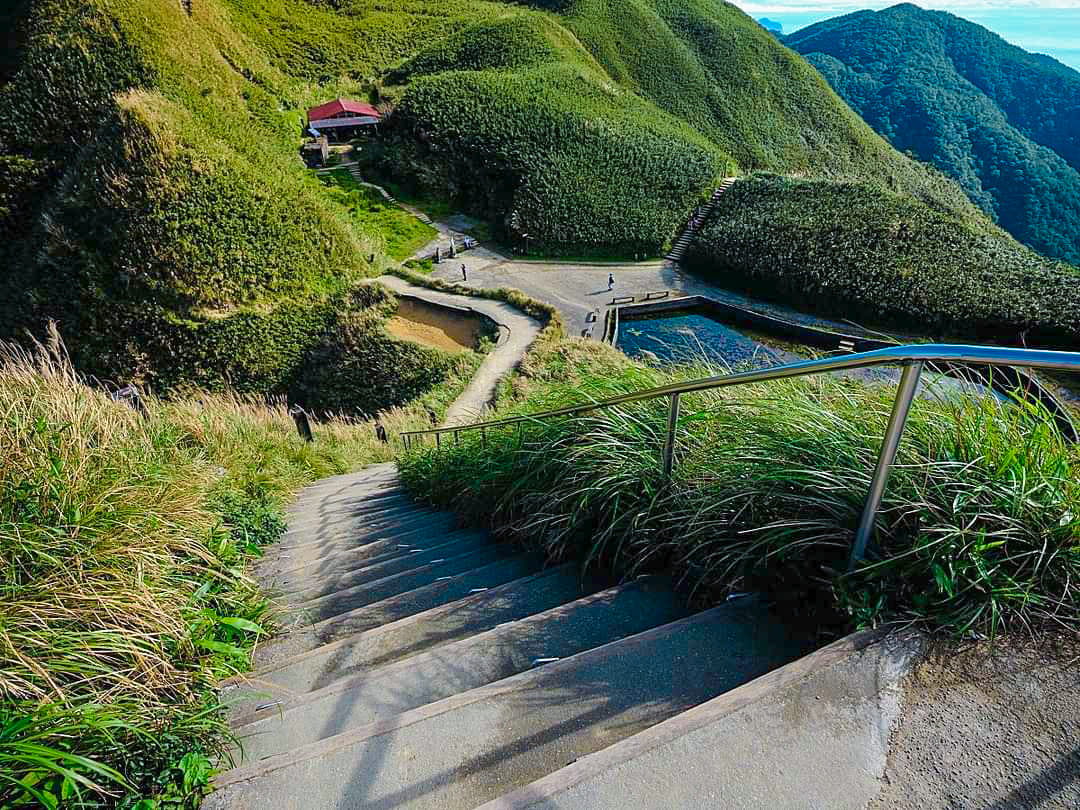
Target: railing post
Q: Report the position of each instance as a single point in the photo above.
(905, 394)
(303, 426)
(669, 445)
(438, 440)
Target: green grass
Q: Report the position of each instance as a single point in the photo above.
(123, 597)
(860, 252)
(403, 233)
(978, 531)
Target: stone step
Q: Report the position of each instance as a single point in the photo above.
(333, 540)
(813, 733)
(342, 505)
(368, 593)
(475, 746)
(342, 570)
(290, 719)
(467, 616)
(353, 556)
(307, 636)
(309, 529)
(325, 583)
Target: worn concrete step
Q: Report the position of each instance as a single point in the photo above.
(392, 496)
(477, 745)
(334, 540)
(307, 636)
(313, 586)
(311, 529)
(468, 616)
(370, 592)
(808, 734)
(353, 556)
(290, 719)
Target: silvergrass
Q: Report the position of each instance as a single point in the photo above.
(979, 530)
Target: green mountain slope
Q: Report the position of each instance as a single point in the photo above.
(597, 127)
(152, 199)
(1003, 122)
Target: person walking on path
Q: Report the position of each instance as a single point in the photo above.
(610, 281)
(380, 432)
(464, 274)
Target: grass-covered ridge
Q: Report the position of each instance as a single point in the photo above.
(123, 544)
(978, 531)
(594, 126)
(859, 252)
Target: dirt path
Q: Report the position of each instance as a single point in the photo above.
(517, 331)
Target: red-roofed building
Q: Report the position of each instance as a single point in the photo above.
(337, 116)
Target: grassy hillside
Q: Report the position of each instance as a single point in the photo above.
(154, 203)
(152, 199)
(595, 126)
(1003, 122)
(859, 252)
(123, 543)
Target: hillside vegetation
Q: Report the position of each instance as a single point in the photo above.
(597, 127)
(1003, 122)
(856, 251)
(977, 531)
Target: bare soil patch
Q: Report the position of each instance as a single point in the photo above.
(436, 326)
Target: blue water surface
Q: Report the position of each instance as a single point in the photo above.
(686, 337)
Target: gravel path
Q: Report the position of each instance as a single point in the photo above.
(517, 331)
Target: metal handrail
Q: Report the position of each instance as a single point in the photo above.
(911, 357)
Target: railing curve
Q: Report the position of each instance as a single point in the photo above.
(911, 357)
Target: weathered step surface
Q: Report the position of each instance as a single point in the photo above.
(477, 745)
(476, 613)
(300, 585)
(813, 733)
(367, 593)
(363, 697)
(307, 636)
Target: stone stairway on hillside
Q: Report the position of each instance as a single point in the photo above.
(425, 666)
(678, 248)
(358, 176)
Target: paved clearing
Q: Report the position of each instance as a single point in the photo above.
(517, 332)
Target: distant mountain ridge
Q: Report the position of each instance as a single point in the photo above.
(771, 25)
(1003, 122)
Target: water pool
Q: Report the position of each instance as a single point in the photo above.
(679, 337)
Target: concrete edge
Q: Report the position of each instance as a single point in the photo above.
(324, 747)
(729, 703)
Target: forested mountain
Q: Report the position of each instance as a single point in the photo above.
(1003, 122)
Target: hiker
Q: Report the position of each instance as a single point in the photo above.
(610, 281)
(464, 274)
(380, 432)
(434, 417)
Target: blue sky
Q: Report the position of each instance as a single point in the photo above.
(1046, 27)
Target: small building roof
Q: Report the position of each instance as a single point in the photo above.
(341, 105)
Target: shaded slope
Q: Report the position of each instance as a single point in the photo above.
(858, 252)
(1001, 121)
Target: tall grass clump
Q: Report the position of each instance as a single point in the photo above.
(123, 593)
(979, 530)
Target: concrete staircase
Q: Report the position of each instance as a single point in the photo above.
(425, 666)
(678, 248)
(357, 175)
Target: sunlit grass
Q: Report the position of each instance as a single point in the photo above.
(123, 592)
(979, 531)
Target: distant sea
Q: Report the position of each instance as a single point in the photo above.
(1053, 31)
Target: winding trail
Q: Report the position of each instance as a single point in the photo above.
(517, 331)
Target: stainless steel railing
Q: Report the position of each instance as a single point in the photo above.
(912, 358)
